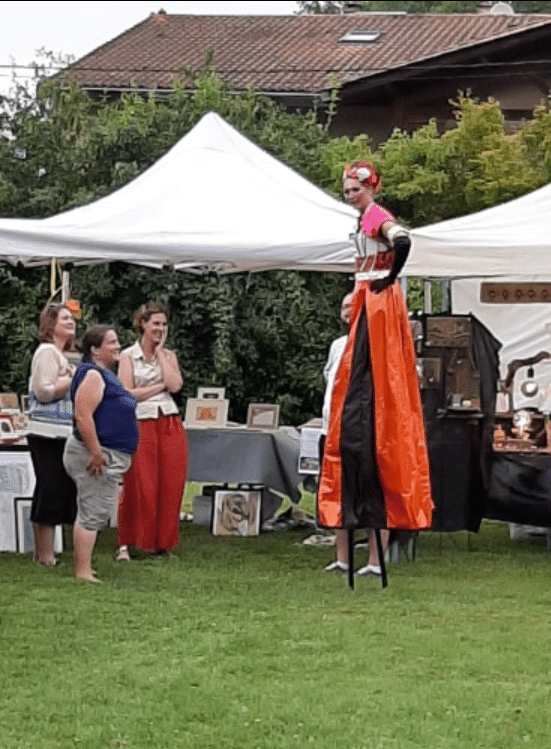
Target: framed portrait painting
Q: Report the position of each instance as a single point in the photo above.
(236, 512)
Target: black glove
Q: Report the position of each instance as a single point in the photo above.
(380, 284)
(401, 248)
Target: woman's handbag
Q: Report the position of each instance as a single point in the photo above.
(56, 412)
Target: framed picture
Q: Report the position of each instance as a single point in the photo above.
(207, 393)
(24, 528)
(206, 412)
(6, 426)
(308, 456)
(430, 372)
(9, 400)
(262, 416)
(20, 422)
(236, 512)
(16, 480)
(448, 332)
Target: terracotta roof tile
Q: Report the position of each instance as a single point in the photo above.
(285, 53)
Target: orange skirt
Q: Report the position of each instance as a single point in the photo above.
(375, 470)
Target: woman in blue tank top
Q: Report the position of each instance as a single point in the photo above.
(105, 437)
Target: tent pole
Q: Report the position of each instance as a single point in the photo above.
(65, 285)
(427, 296)
(446, 296)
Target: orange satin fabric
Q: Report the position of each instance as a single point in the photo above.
(400, 445)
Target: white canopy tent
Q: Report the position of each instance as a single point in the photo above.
(509, 242)
(215, 201)
(511, 239)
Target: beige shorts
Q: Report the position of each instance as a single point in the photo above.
(96, 495)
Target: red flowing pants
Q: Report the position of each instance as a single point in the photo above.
(151, 500)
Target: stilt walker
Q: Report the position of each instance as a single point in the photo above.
(375, 471)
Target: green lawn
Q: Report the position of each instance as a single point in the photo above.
(246, 643)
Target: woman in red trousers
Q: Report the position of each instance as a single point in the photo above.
(150, 504)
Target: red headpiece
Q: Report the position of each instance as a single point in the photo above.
(364, 172)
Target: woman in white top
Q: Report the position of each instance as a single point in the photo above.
(150, 505)
(50, 423)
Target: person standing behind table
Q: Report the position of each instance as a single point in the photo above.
(336, 350)
(50, 424)
(151, 500)
(375, 471)
(105, 436)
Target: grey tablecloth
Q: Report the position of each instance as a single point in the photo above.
(245, 456)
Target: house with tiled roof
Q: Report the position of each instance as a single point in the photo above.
(392, 69)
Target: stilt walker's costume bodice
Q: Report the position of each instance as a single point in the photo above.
(375, 471)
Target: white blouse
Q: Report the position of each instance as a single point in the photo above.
(149, 373)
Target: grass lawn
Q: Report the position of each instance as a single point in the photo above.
(245, 643)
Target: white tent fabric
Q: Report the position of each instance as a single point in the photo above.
(215, 201)
(511, 239)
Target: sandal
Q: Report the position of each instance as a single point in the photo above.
(123, 554)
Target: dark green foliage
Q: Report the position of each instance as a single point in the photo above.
(430, 6)
(423, 7)
(263, 336)
(321, 7)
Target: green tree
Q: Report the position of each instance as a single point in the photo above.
(421, 7)
(263, 336)
(321, 7)
(61, 149)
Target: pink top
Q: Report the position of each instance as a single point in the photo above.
(382, 259)
(372, 220)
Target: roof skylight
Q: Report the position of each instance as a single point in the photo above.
(360, 36)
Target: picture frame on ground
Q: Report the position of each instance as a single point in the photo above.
(262, 416)
(24, 528)
(206, 412)
(236, 512)
(206, 393)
